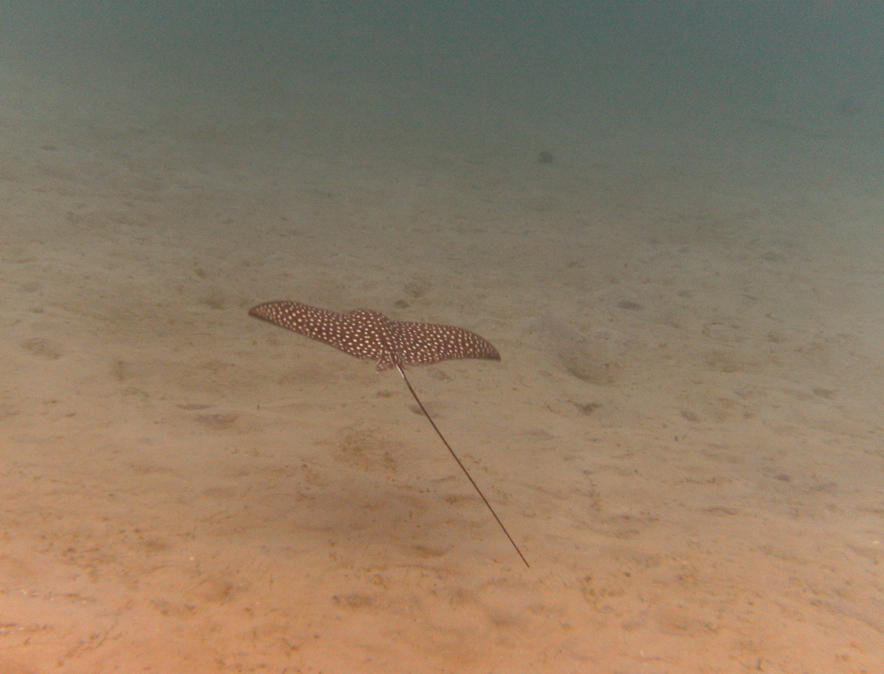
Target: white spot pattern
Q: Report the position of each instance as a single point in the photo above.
(372, 336)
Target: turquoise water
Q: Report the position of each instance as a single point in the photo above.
(665, 216)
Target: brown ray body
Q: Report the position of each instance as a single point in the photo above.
(372, 336)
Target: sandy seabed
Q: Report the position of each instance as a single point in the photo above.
(684, 435)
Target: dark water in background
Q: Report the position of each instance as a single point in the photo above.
(430, 69)
(166, 165)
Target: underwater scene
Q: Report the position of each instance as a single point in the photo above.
(565, 354)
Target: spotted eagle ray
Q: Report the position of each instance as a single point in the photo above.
(370, 335)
